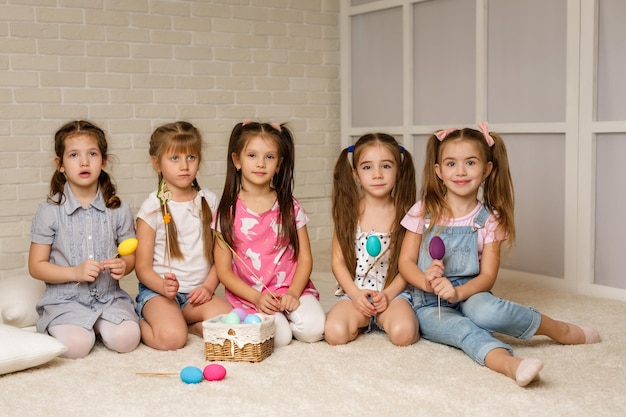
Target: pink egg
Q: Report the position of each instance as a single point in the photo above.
(240, 312)
(214, 372)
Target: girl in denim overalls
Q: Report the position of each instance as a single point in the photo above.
(452, 297)
(371, 194)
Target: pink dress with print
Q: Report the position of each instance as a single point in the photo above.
(258, 245)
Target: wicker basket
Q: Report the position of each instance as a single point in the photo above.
(238, 342)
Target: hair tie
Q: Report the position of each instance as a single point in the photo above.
(350, 148)
(276, 126)
(482, 126)
(401, 148)
(441, 134)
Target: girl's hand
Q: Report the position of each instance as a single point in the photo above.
(444, 289)
(88, 271)
(170, 285)
(433, 272)
(117, 267)
(289, 303)
(380, 301)
(364, 303)
(200, 295)
(268, 303)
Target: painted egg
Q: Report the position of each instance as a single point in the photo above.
(436, 248)
(252, 319)
(372, 245)
(240, 312)
(191, 375)
(232, 318)
(214, 372)
(127, 246)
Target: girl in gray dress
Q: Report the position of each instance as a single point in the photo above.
(74, 238)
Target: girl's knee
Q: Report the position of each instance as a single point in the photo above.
(403, 333)
(79, 341)
(311, 332)
(338, 333)
(122, 338)
(282, 337)
(166, 338)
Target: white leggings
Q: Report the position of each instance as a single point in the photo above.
(306, 323)
(122, 338)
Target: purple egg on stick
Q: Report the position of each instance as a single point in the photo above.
(436, 248)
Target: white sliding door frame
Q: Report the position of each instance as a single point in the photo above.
(579, 128)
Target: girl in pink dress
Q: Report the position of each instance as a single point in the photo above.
(263, 257)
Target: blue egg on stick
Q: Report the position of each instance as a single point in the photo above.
(373, 245)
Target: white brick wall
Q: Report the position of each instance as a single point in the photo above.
(131, 65)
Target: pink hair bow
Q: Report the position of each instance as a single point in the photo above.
(482, 126)
(441, 135)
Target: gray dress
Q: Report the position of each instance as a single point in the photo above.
(75, 235)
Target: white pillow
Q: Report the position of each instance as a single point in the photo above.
(21, 349)
(18, 297)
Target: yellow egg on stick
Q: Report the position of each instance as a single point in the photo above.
(127, 246)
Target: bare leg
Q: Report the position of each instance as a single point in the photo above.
(523, 371)
(163, 327)
(400, 323)
(343, 323)
(567, 333)
(195, 314)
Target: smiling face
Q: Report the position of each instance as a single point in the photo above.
(376, 170)
(258, 161)
(82, 162)
(462, 168)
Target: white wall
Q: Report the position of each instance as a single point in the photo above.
(131, 65)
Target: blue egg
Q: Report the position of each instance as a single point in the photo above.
(252, 319)
(373, 246)
(191, 375)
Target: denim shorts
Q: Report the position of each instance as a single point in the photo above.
(405, 295)
(146, 294)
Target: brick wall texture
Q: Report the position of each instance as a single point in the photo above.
(130, 65)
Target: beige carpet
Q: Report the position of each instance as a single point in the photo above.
(369, 377)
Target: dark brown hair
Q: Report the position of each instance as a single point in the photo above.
(57, 183)
(282, 181)
(346, 196)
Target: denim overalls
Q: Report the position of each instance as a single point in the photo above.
(469, 324)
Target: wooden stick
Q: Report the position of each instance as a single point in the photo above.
(156, 373)
(439, 306)
(258, 280)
